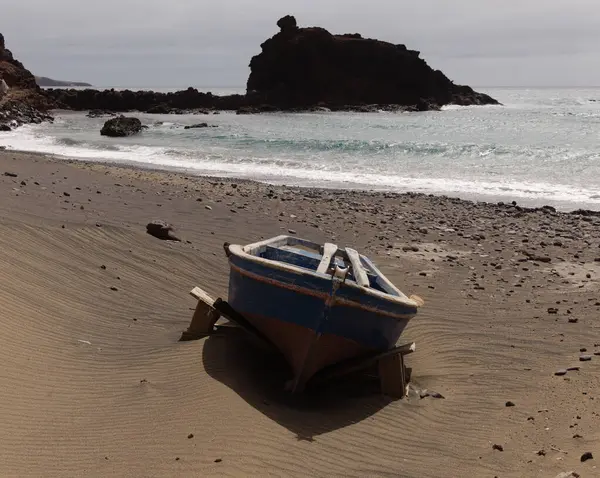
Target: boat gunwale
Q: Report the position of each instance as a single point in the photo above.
(239, 251)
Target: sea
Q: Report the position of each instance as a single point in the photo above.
(542, 147)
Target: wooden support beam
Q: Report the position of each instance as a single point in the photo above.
(204, 319)
(392, 376)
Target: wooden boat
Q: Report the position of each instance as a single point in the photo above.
(319, 305)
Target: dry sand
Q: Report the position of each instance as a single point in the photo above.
(94, 383)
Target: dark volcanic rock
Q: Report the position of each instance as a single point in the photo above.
(121, 126)
(24, 102)
(99, 113)
(199, 125)
(161, 230)
(302, 67)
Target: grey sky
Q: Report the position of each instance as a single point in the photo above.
(193, 42)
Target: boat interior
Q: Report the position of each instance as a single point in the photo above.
(323, 259)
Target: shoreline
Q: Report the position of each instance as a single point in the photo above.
(524, 204)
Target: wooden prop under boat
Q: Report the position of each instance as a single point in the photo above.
(319, 305)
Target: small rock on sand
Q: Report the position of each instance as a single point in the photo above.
(585, 358)
(161, 230)
(560, 372)
(10, 175)
(586, 456)
(497, 447)
(567, 474)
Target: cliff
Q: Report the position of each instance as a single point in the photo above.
(24, 102)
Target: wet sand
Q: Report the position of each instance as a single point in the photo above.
(94, 382)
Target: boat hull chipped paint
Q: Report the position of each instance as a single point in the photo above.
(316, 318)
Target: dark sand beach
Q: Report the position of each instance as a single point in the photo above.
(95, 383)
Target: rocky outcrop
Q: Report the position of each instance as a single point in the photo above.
(121, 126)
(304, 67)
(24, 102)
(185, 101)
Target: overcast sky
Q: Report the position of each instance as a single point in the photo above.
(179, 43)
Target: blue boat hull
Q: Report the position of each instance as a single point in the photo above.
(289, 307)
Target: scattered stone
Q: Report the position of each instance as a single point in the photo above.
(114, 289)
(208, 207)
(191, 435)
(509, 404)
(573, 369)
(541, 453)
(121, 126)
(585, 358)
(103, 267)
(10, 175)
(552, 310)
(586, 456)
(567, 474)
(560, 372)
(497, 447)
(66, 194)
(198, 125)
(410, 249)
(292, 231)
(218, 460)
(161, 230)
(573, 320)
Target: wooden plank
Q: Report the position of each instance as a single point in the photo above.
(392, 376)
(329, 251)
(362, 362)
(204, 319)
(360, 274)
(201, 294)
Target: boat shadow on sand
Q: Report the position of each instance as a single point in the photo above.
(258, 376)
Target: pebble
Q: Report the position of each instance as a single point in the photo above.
(586, 456)
(10, 175)
(218, 460)
(497, 447)
(191, 435)
(585, 358)
(292, 231)
(560, 372)
(510, 404)
(114, 289)
(66, 194)
(208, 207)
(573, 320)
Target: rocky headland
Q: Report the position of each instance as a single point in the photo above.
(47, 82)
(302, 69)
(24, 102)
